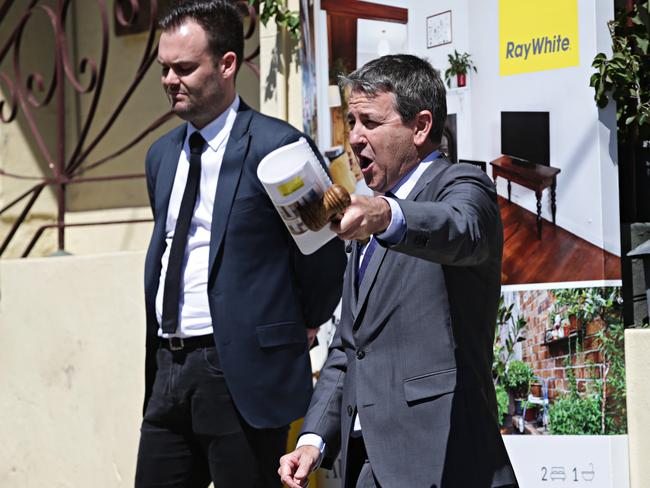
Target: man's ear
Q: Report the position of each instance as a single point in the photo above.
(228, 65)
(423, 125)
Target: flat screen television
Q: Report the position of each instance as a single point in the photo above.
(525, 136)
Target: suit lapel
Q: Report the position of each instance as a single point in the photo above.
(430, 173)
(231, 167)
(380, 252)
(369, 278)
(167, 174)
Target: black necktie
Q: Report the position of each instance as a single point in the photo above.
(174, 276)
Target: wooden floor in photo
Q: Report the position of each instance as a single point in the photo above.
(559, 256)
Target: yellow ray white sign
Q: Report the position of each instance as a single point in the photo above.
(536, 35)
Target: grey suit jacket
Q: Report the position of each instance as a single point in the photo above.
(413, 352)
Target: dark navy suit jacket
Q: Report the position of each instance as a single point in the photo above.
(262, 291)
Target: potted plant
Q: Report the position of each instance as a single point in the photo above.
(517, 381)
(459, 65)
(531, 411)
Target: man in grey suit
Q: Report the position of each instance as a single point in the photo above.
(406, 395)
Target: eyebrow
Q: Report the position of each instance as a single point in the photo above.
(177, 62)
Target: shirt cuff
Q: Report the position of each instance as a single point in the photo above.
(397, 227)
(315, 440)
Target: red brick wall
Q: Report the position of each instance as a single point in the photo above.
(550, 360)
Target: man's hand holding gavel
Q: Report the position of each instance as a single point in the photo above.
(350, 216)
(362, 218)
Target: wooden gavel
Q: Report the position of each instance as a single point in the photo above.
(318, 213)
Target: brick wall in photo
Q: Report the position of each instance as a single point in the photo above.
(554, 359)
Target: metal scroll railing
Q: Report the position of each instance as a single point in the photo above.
(26, 93)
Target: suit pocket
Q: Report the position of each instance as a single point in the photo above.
(281, 334)
(430, 385)
(211, 359)
(259, 201)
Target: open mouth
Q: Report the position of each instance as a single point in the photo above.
(364, 162)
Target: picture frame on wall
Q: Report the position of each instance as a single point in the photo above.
(439, 29)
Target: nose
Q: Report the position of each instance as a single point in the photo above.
(170, 79)
(357, 137)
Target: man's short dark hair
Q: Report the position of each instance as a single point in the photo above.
(413, 81)
(220, 19)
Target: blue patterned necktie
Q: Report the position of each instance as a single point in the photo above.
(370, 249)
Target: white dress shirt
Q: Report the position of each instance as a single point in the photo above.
(194, 309)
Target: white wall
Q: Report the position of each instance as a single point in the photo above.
(637, 365)
(377, 38)
(459, 100)
(71, 370)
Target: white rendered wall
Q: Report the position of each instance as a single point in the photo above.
(637, 362)
(71, 370)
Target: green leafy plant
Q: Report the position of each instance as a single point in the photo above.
(459, 64)
(611, 340)
(575, 415)
(604, 303)
(625, 78)
(513, 332)
(587, 304)
(584, 303)
(503, 402)
(518, 378)
(277, 10)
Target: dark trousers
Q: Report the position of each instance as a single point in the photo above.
(358, 470)
(192, 433)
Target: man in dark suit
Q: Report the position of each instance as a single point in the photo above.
(231, 303)
(406, 395)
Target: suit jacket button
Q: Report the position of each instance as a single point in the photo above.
(361, 354)
(350, 410)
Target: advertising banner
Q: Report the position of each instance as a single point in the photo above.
(558, 356)
(537, 36)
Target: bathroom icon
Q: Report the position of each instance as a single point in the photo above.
(590, 474)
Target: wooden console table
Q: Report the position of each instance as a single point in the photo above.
(533, 176)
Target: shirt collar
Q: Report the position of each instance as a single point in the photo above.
(216, 131)
(408, 181)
